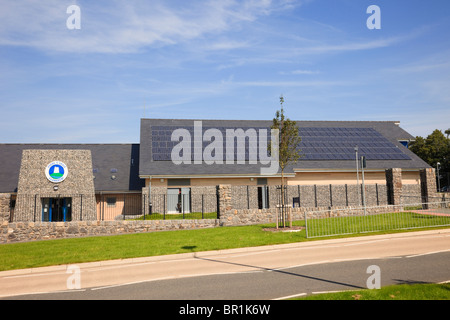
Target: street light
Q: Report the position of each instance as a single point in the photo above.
(357, 175)
(438, 166)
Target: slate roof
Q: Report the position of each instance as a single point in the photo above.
(389, 130)
(121, 160)
(131, 162)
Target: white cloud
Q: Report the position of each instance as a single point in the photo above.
(297, 72)
(226, 45)
(123, 26)
(293, 83)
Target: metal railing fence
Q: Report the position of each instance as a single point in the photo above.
(111, 206)
(181, 206)
(334, 222)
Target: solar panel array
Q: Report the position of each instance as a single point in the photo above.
(339, 144)
(316, 144)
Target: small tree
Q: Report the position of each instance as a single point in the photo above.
(288, 151)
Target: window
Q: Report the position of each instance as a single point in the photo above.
(179, 200)
(263, 197)
(111, 201)
(178, 182)
(261, 181)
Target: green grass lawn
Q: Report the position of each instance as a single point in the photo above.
(78, 250)
(177, 216)
(393, 292)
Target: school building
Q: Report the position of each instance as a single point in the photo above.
(178, 165)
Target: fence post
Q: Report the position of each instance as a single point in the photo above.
(376, 190)
(123, 209)
(202, 206)
(331, 195)
(144, 206)
(306, 224)
(315, 196)
(346, 195)
(35, 203)
(290, 217)
(248, 199)
(276, 216)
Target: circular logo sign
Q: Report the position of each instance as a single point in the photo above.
(56, 171)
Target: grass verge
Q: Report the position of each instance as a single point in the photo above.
(393, 292)
(177, 216)
(78, 250)
(89, 249)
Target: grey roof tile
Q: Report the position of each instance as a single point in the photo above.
(123, 158)
(388, 129)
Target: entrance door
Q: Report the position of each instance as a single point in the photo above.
(178, 200)
(186, 200)
(263, 197)
(56, 209)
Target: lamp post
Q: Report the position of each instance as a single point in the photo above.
(363, 165)
(357, 175)
(438, 166)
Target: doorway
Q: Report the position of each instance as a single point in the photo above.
(56, 209)
(263, 197)
(178, 200)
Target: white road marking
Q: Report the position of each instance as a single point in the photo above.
(426, 253)
(291, 296)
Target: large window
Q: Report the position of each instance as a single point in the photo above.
(263, 197)
(179, 200)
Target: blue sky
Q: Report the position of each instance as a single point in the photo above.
(219, 59)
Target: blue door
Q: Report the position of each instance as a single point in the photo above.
(56, 209)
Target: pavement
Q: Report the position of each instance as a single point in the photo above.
(112, 273)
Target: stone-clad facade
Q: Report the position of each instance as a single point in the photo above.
(5, 199)
(33, 185)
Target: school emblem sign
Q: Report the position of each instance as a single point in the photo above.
(56, 171)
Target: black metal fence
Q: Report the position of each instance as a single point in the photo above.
(51, 207)
(118, 206)
(443, 181)
(180, 206)
(112, 206)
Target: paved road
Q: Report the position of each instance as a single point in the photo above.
(252, 273)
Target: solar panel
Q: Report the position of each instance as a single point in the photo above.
(316, 144)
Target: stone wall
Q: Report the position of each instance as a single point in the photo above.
(394, 185)
(5, 199)
(32, 231)
(428, 184)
